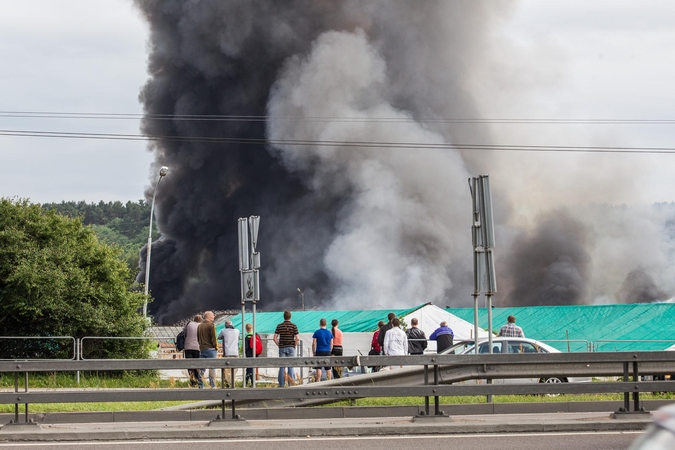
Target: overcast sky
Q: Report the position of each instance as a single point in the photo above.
(593, 59)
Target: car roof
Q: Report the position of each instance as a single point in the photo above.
(543, 345)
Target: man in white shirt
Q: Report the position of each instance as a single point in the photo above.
(230, 337)
(395, 341)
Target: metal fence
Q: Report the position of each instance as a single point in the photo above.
(38, 347)
(87, 343)
(429, 376)
(624, 345)
(94, 347)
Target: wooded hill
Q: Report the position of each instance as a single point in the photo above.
(121, 224)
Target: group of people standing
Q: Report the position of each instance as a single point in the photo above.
(201, 342)
(390, 339)
(324, 343)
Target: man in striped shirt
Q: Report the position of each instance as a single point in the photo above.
(286, 337)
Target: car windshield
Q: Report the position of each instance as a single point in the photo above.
(457, 348)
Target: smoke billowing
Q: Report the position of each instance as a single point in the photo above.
(357, 226)
(550, 264)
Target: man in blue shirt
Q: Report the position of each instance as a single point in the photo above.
(443, 336)
(322, 344)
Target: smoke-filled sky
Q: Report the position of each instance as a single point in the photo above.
(356, 225)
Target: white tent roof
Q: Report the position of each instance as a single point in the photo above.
(430, 318)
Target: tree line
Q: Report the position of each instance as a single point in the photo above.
(124, 225)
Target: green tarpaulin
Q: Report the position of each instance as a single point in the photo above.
(351, 321)
(602, 325)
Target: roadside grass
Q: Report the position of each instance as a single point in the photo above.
(89, 407)
(65, 380)
(101, 380)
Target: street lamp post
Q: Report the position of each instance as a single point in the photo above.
(162, 173)
(302, 298)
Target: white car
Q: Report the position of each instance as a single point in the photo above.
(513, 345)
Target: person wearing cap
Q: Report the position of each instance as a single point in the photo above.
(230, 337)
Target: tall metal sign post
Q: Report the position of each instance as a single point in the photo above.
(483, 237)
(249, 267)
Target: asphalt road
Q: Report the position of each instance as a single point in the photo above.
(533, 441)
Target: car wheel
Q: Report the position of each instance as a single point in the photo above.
(553, 380)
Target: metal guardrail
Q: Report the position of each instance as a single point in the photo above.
(454, 368)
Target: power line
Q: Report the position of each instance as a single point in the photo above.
(344, 144)
(253, 118)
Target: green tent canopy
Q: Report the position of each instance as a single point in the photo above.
(351, 321)
(602, 325)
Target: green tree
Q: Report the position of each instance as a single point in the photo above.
(57, 279)
(115, 223)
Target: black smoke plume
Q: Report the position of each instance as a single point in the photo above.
(355, 226)
(549, 266)
(639, 287)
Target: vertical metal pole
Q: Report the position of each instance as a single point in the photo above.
(253, 346)
(149, 247)
(426, 382)
(567, 336)
(636, 395)
(25, 387)
(475, 322)
(488, 298)
(437, 406)
(16, 390)
(78, 355)
(489, 308)
(222, 409)
(243, 334)
(626, 395)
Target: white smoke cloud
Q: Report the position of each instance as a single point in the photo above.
(408, 219)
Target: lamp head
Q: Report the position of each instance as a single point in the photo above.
(163, 171)
(299, 290)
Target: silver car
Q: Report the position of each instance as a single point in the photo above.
(522, 345)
